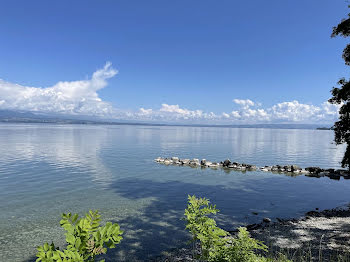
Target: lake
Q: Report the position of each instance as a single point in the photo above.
(49, 169)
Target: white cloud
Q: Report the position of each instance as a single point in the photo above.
(331, 109)
(75, 97)
(235, 114)
(175, 110)
(294, 111)
(145, 112)
(288, 112)
(244, 102)
(225, 115)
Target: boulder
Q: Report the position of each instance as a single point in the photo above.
(194, 162)
(168, 161)
(227, 162)
(313, 169)
(295, 167)
(251, 167)
(266, 220)
(208, 163)
(274, 168)
(203, 161)
(303, 171)
(342, 172)
(185, 161)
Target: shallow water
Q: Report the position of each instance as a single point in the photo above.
(49, 169)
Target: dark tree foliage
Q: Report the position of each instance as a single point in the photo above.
(341, 95)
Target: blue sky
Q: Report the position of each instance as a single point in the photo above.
(189, 61)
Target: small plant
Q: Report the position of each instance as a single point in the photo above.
(203, 228)
(217, 244)
(85, 239)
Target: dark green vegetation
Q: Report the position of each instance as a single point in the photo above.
(85, 239)
(215, 243)
(341, 95)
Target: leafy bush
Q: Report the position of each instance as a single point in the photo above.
(85, 239)
(217, 244)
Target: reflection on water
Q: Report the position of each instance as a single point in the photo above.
(49, 169)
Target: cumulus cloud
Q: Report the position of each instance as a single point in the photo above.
(225, 115)
(145, 112)
(74, 97)
(244, 102)
(292, 111)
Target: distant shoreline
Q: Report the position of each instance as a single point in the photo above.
(91, 122)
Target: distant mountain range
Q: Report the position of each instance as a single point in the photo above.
(8, 116)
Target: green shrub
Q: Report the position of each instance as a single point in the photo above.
(85, 239)
(217, 244)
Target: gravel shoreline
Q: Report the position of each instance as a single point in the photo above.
(324, 235)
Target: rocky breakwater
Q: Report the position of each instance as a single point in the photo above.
(231, 165)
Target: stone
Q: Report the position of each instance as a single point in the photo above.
(266, 220)
(194, 162)
(303, 171)
(203, 161)
(208, 163)
(341, 172)
(295, 167)
(251, 167)
(314, 169)
(185, 161)
(324, 173)
(175, 158)
(227, 162)
(168, 161)
(253, 227)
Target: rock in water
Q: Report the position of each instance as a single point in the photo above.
(226, 163)
(267, 220)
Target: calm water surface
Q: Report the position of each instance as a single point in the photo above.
(49, 169)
